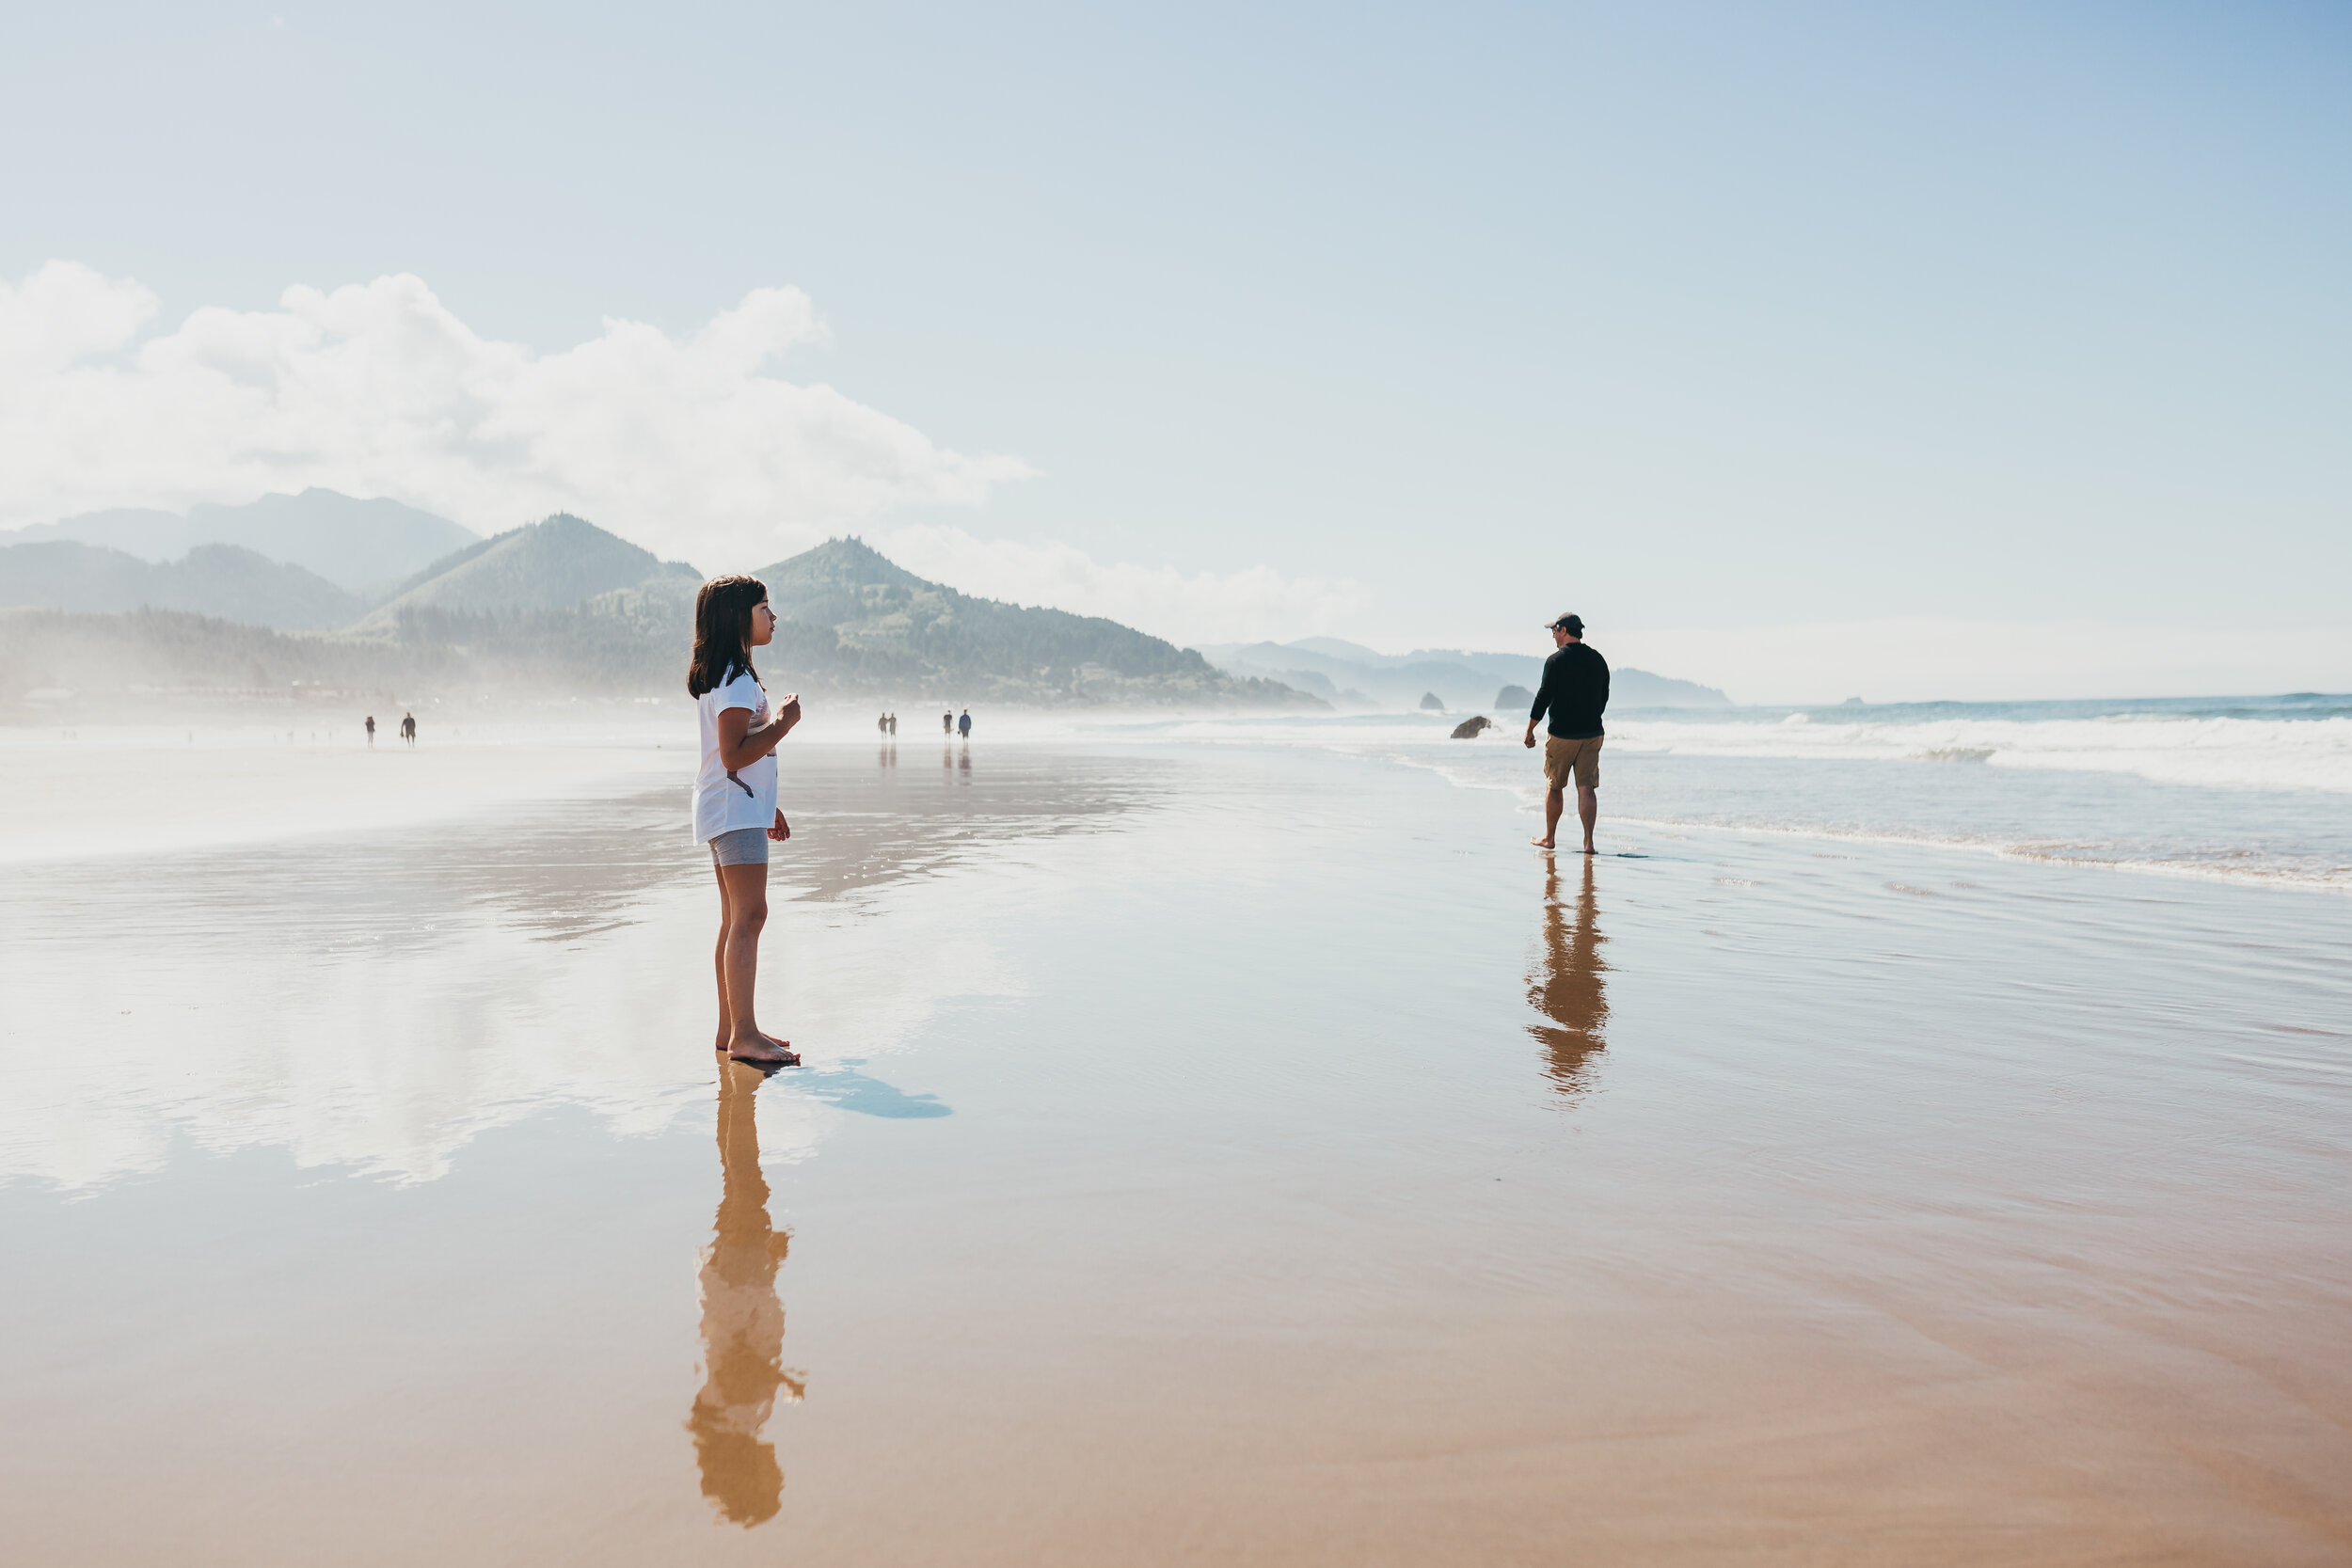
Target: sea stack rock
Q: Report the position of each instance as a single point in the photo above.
(1515, 697)
(1470, 729)
(1429, 702)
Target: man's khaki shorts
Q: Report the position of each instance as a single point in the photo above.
(1562, 757)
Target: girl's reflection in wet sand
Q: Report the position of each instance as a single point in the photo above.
(1569, 984)
(742, 1322)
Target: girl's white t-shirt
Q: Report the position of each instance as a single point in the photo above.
(747, 798)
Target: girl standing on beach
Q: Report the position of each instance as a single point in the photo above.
(735, 795)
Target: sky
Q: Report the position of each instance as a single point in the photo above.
(1934, 351)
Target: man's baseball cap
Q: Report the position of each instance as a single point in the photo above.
(1572, 624)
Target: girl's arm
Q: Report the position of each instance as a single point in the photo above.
(742, 743)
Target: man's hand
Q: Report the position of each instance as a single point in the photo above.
(1527, 739)
(783, 830)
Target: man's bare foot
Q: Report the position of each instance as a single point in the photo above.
(1543, 844)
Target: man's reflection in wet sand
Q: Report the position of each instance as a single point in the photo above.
(742, 1322)
(1570, 985)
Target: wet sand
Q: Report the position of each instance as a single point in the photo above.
(1219, 1156)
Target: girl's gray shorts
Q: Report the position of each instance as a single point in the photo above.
(743, 847)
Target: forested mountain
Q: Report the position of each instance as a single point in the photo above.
(847, 611)
(553, 564)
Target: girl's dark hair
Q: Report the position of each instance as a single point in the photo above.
(723, 632)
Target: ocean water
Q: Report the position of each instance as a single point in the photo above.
(2255, 789)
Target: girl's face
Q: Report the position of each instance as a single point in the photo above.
(763, 624)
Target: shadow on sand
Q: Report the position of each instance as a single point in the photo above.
(868, 1096)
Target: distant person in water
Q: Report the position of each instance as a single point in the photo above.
(371, 729)
(1575, 690)
(963, 725)
(408, 728)
(735, 795)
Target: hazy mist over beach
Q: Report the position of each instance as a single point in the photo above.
(1569, 783)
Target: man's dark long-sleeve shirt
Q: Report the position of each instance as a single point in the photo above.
(1576, 690)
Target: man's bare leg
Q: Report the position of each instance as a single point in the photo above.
(1587, 810)
(1553, 803)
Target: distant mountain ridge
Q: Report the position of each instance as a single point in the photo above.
(562, 606)
(581, 608)
(1348, 673)
(211, 579)
(362, 547)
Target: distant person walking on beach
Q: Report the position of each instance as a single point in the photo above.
(963, 725)
(371, 729)
(1575, 689)
(735, 795)
(894, 727)
(408, 728)
(882, 724)
(947, 724)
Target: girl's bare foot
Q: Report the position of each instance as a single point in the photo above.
(763, 1051)
(721, 1044)
(1543, 844)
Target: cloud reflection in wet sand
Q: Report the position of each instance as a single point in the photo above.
(376, 1002)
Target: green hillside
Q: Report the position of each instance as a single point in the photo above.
(866, 622)
(553, 564)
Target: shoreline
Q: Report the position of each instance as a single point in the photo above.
(190, 787)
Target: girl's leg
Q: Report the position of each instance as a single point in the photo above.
(746, 916)
(719, 961)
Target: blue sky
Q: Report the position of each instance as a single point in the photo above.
(1692, 317)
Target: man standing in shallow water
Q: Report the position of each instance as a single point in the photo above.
(1576, 690)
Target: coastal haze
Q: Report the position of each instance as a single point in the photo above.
(1917, 1134)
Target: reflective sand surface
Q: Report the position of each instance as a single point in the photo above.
(1244, 1156)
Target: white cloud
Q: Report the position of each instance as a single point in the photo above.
(689, 446)
(1207, 606)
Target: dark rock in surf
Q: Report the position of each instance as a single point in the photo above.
(1470, 729)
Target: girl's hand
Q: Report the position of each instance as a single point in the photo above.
(789, 713)
(783, 830)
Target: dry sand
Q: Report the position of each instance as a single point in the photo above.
(1243, 1156)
